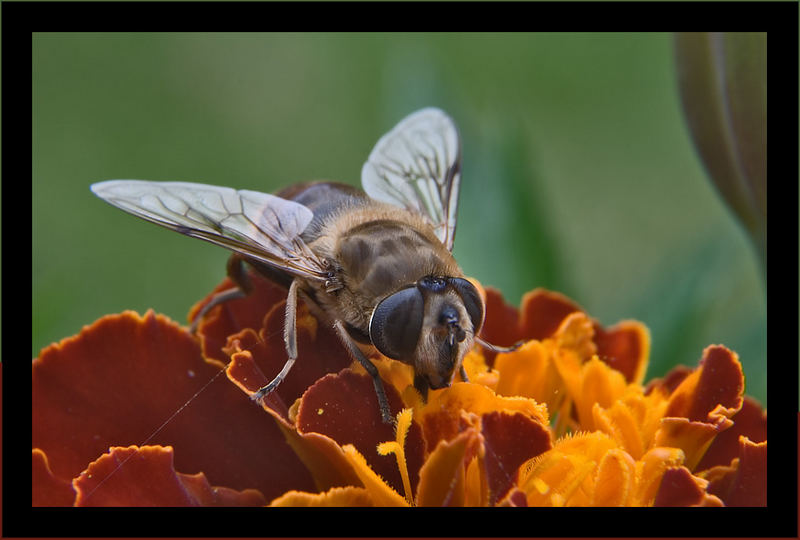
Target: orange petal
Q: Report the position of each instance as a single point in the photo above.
(601, 385)
(148, 478)
(338, 497)
(576, 333)
(478, 370)
(650, 469)
(379, 491)
(625, 346)
(593, 445)
(324, 458)
(619, 422)
(476, 488)
(615, 479)
(557, 480)
(529, 372)
(564, 475)
(442, 476)
(647, 411)
(691, 437)
(441, 417)
(593, 382)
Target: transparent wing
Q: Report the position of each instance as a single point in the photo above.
(259, 225)
(417, 165)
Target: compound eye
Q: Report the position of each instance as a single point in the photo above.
(396, 323)
(472, 301)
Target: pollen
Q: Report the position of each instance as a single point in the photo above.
(320, 411)
(541, 486)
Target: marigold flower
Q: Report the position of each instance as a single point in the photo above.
(134, 411)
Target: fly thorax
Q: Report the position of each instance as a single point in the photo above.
(384, 255)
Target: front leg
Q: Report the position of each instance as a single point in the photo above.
(289, 339)
(355, 352)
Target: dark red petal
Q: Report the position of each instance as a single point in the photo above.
(720, 384)
(319, 352)
(443, 416)
(255, 324)
(679, 488)
(625, 347)
(670, 381)
(129, 380)
(750, 421)
(745, 484)
(47, 489)
(542, 313)
(345, 408)
(243, 371)
(208, 495)
(146, 477)
(509, 441)
(321, 455)
(501, 325)
(235, 315)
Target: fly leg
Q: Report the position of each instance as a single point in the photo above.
(289, 339)
(356, 353)
(237, 274)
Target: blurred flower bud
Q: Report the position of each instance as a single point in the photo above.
(723, 85)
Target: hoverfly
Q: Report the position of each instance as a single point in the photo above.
(376, 264)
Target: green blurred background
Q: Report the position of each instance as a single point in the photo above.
(579, 174)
